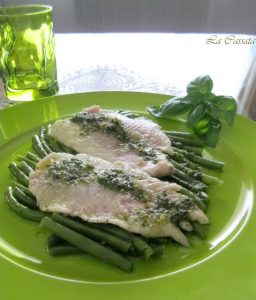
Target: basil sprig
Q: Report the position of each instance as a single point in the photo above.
(205, 112)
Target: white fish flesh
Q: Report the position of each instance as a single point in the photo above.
(114, 137)
(98, 191)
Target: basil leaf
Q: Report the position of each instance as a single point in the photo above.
(214, 111)
(205, 112)
(154, 110)
(171, 108)
(170, 102)
(212, 136)
(174, 107)
(196, 115)
(200, 85)
(170, 112)
(228, 106)
(195, 99)
(202, 126)
(225, 103)
(230, 117)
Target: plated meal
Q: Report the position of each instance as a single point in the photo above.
(222, 250)
(114, 185)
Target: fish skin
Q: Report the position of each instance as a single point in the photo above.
(96, 203)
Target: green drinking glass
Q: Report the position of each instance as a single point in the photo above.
(27, 52)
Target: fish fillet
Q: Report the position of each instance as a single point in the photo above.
(114, 137)
(98, 191)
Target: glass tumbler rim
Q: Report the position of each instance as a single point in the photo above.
(24, 10)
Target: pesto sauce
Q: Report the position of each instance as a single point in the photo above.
(118, 180)
(91, 122)
(177, 210)
(75, 171)
(71, 171)
(165, 211)
(149, 217)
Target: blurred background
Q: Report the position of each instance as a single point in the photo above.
(201, 16)
(235, 67)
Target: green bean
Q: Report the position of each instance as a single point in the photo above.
(208, 163)
(204, 162)
(64, 250)
(160, 240)
(51, 141)
(18, 174)
(20, 209)
(203, 196)
(24, 199)
(139, 243)
(179, 166)
(196, 150)
(57, 246)
(66, 149)
(198, 200)
(53, 144)
(158, 250)
(197, 185)
(188, 135)
(186, 141)
(94, 233)
(60, 147)
(25, 168)
(87, 245)
(45, 146)
(38, 147)
(196, 174)
(210, 180)
(32, 157)
(188, 191)
(54, 240)
(29, 162)
(180, 158)
(185, 184)
(24, 189)
(200, 229)
(42, 132)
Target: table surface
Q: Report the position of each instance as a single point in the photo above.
(159, 63)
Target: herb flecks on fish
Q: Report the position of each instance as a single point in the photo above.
(91, 122)
(71, 171)
(178, 210)
(75, 171)
(123, 182)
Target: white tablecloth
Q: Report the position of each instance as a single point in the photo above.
(160, 63)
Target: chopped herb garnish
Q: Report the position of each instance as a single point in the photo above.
(71, 171)
(120, 181)
(91, 122)
(149, 217)
(178, 210)
(74, 171)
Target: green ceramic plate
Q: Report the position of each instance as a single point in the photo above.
(221, 267)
